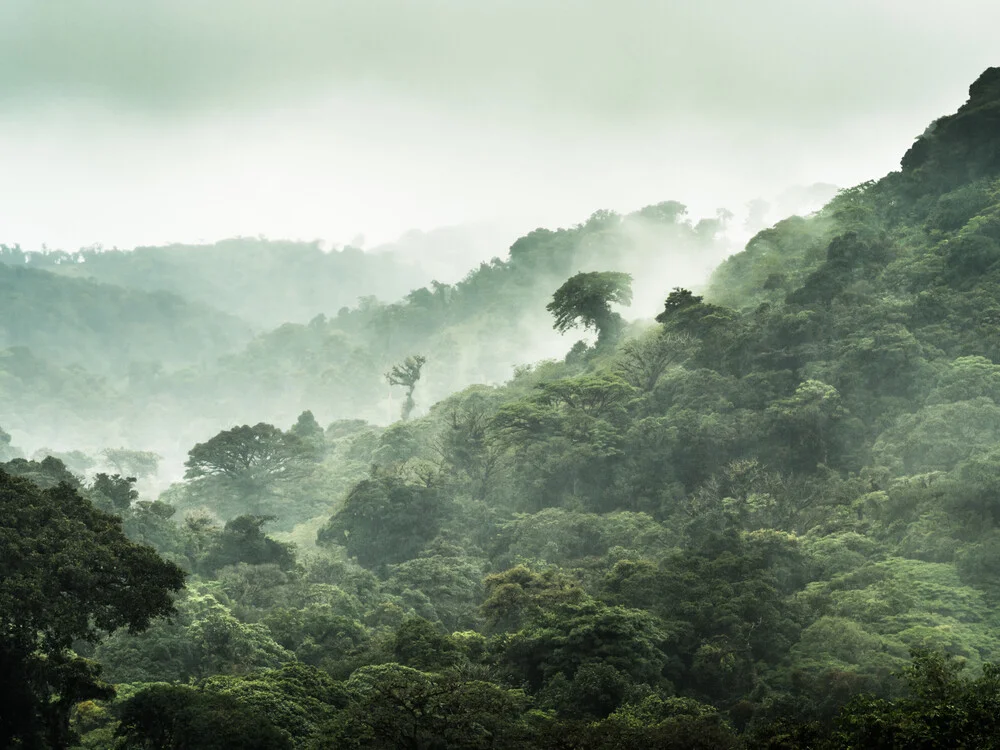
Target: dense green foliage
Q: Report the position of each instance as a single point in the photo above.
(586, 299)
(68, 574)
(769, 518)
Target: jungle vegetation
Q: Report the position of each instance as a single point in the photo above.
(767, 518)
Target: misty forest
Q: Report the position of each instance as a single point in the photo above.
(629, 483)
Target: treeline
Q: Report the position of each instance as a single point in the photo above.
(263, 282)
(768, 519)
(102, 356)
(107, 330)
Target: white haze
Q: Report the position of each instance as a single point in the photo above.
(126, 124)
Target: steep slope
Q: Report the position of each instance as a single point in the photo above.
(931, 227)
(816, 441)
(961, 148)
(798, 486)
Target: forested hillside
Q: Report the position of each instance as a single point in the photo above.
(476, 330)
(266, 282)
(767, 519)
(108, 329)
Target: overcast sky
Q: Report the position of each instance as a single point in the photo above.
(125, 122)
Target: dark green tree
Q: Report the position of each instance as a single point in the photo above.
(47, 473)
(398, 708)
(296, 698)
(386, 519)
(178, 717)
(420, 645)
(307, 428)
(586, 299)
(68, 574)
(941, 709)
(243, 541)
(117, 490)
(677, 300)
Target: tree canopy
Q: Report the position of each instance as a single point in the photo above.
(68, 573)
(586, 299)
(769, 517)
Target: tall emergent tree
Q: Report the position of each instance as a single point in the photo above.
(586, 299)
(406, 374)
(250, 460)
(68, 573)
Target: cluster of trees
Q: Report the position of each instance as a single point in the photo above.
(148, 358)
(767, 519)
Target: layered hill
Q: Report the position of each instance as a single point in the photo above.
(769, 519)
(476, 330)
(107, 329)
(270, 282)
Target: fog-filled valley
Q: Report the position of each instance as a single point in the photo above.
(159, 348)
(658, 476)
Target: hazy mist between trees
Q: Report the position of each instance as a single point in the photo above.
(628, 483)
(202, 346)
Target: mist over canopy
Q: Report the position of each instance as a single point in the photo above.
(499, 375)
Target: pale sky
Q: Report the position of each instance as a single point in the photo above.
(125, 122)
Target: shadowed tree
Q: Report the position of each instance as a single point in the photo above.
(677, 300)
(468, 444)
(586, 299)
(119, 491)
(406, 374)
(309, 431)
(68, 574)
(386, 519)
(181, 716)
(243, 541)
(397, 707)
(306, 427)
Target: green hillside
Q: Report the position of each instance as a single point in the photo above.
(105, 328)
(769, 519)
(264, 282)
